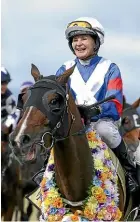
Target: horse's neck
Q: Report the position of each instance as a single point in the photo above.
(73, 164)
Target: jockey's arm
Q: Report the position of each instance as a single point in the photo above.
(113, 108)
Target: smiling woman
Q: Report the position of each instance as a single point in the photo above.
(83, 46)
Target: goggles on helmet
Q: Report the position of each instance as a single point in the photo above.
(82, 24)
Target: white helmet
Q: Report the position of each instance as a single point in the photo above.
(85, 25)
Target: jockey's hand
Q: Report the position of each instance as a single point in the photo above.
(87, 113)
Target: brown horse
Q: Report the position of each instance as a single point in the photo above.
(130, 130)
(16, 180)
(11, 191)
(22, 182)
(51, 111)
(130, 124)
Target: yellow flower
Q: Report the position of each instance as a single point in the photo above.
(58, 217)
(100, 215)
(92, 145)
(92, 206)
(106, 154)
(118, 214)
(97, 190)
(47, 201)
(89, 214)
(52, 193)
(92, 200)
(101, 198)
(105, 170)
(113, 203)
(51, 161)
(51, 218)
(52, 152)
(98, 164)
(104, 176)
(91, 135)
(58, 202)
(78, 213)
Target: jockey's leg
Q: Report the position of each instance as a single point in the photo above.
(125, 160)
(108, 131)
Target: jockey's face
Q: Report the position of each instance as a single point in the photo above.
(83, 46)
(3, 87)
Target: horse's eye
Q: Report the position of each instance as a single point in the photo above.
(54, 101)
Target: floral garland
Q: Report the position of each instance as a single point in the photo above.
(102, 202)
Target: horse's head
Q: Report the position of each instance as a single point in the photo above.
(130, 126)
(46, 109)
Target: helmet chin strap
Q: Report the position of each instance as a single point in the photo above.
(97, 45)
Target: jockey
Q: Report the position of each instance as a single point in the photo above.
(8, 104)
(94, 78)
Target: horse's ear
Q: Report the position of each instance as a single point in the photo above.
(35, 72)
(136, 104)
(65, 76)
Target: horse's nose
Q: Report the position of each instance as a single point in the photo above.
(23, 140)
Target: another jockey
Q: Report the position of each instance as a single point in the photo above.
(95, 78)
(8, 105)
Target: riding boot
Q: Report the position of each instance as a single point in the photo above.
(129, 167)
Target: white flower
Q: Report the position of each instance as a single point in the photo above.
(48, 174)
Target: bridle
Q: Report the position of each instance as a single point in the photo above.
(134, 119)
(66, 109)
(55, 138)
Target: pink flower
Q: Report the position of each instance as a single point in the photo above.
(110, 209)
